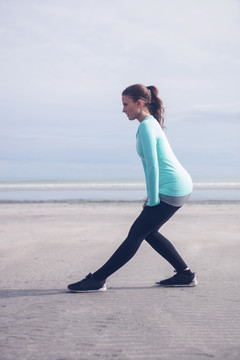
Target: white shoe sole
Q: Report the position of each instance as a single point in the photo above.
(191, 284)
(104, 288)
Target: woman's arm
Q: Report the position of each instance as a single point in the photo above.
(148, 143)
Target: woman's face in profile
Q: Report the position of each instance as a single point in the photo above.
(130, 108)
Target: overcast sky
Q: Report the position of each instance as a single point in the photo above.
(64, 64)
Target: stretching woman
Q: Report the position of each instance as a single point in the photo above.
(168, 188)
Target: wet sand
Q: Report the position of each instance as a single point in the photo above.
(45, 246)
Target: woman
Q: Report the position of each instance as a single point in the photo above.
(168, 188)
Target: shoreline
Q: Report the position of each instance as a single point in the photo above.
(85, 201)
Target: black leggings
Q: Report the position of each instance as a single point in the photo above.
(146, 227)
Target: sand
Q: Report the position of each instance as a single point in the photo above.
(45, 246)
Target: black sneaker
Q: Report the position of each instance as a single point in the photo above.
(181, 279)
(89, 284)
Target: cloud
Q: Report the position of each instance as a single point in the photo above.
(66, 51)
(212, 113)
(64, 64)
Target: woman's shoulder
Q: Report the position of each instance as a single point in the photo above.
(147, 122)
(150, 124)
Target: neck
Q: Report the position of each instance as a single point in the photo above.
(143, 115)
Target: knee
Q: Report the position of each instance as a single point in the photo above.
(135, 236)
(151, 236)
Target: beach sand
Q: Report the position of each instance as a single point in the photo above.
(45, 246)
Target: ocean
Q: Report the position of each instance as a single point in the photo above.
(53, 191)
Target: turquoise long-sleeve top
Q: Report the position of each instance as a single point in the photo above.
(166, 178)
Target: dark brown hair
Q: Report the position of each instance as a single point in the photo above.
(149, 94)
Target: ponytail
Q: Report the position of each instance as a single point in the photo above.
(156, 105)
(149, 95)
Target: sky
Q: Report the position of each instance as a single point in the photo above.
(65, 63)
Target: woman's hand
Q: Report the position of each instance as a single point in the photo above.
(145, 202)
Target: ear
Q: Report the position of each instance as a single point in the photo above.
(139, 102)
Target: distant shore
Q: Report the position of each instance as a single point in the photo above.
(109, 190)
(127, 202)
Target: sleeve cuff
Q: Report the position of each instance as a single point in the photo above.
(152, 203)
